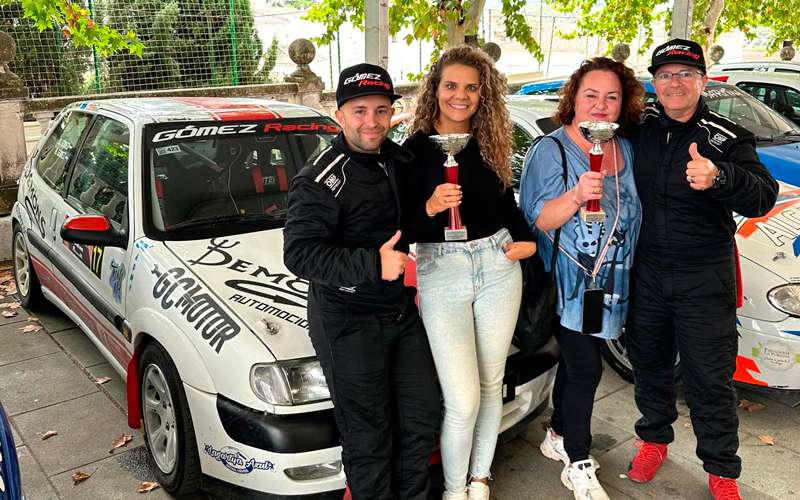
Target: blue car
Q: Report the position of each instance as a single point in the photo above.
(778, 139)
(10, 487)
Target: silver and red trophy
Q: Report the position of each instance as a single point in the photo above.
(597, 133)
(451, 145)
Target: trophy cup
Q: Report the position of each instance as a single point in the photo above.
(596, 133)
(452, 144)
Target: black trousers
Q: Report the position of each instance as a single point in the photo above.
(691, 312)
(386, 399)
(578, 374)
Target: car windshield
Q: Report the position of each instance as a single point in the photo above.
(205, 179)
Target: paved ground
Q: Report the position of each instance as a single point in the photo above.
(47, 382)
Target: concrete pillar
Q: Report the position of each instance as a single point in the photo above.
(309, 85)
(376, 32)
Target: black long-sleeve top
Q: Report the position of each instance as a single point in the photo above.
(486, 207)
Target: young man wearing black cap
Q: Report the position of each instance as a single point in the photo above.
(693, 167)
(342, 235)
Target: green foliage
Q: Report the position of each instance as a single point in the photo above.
(427, 20)
(188, 43)
(47, 62)
(748, 15)
(76, 23)
(270, 59)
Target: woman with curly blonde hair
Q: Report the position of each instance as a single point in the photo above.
(469, 290)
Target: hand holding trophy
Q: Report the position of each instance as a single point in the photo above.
(596, 133)
(452, 144)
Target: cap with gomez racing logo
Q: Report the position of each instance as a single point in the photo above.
(678, 51)
(364, 79)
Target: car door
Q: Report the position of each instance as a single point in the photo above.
(98, 185)
(42, 184)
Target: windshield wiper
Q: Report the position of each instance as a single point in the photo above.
(792, 133)
(257, 219)
(765, 138)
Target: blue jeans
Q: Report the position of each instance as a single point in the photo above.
(469, 301)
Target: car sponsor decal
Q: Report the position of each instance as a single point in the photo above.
(141, 246)
(191, 131)
(196, 305)
(781, 225)
(792, 332)
(278, 127)
(776, 355)
(745, 367)
(31, 201)
(278, 288)
(224, 110)
(90, 255)
(236, 461)
(116, 278)
(269, 309)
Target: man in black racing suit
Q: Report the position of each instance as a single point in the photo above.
(342, 235)
(693, 167)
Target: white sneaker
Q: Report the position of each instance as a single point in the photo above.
(553, 448)
(449, 495)
(580, 478)
(478, 491)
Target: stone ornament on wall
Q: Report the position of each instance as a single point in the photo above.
(787, 52)
(11, 85)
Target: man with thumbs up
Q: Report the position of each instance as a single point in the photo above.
(693, 168)
(342, 234)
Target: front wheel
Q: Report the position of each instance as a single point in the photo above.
(616, 355)
(168, 429)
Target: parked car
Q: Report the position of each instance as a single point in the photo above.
(779, 91)
(10, 482)
(777, 138)
(790, 67)
(156, 225)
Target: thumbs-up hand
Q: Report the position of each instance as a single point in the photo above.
(700, 171)
(393, 263)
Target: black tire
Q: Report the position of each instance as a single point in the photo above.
(184, 476)
(28, 286)
(616, 355)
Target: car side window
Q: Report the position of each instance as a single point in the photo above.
(99, 182)
(60, 148)
(520, 143)
(793, 99)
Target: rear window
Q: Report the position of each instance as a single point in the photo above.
(205, 179)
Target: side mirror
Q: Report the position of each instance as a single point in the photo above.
(93, 230)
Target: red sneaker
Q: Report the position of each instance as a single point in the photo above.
(723, 488)
(647, 461)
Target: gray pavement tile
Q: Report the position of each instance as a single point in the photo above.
(86, 428)
(610, 383)
(40, 382)
(678, 478)
(21, 316)
(777, 420)
(78, 345)
(605, 436)
(19, 346)
(115, 387)
(52, 318)
(521, 472)
(35, 484)
(769, 469)
(15, 434)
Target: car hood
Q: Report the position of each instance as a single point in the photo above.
(773, 241)
(783, 161)
(246, 272)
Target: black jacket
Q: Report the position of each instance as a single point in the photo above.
(342, 207)
(681, 226)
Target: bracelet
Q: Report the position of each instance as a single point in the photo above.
(574, 198)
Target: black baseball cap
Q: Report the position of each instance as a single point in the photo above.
(678, 51)
(364, 79)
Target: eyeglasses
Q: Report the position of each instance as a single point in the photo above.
(684, 75)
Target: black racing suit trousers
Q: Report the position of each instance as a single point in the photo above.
(386, 398)
(691, 312)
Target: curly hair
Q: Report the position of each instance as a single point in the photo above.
(632, 92)
(490, 124)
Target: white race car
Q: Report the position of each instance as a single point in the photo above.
(156, 225)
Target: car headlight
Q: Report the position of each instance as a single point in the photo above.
(293, 382)
(786, 298)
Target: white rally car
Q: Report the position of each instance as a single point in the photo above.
(156, 225)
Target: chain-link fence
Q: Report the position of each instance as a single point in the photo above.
(187, 44)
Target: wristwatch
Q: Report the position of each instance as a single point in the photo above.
(719, 179)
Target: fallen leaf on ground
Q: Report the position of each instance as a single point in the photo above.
(10, 305)
(743, 403)
(101, 380)
(766, 438)
(9, 314)
(30, 328)
(121, 441)
(33, 318)
(755, 407)
(147, 486)
(2, 297)
(80, 477)
(49, 434)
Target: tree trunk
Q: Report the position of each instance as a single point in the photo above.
(465, 28)
(710, 20)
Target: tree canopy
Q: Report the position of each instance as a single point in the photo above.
(76, 23)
